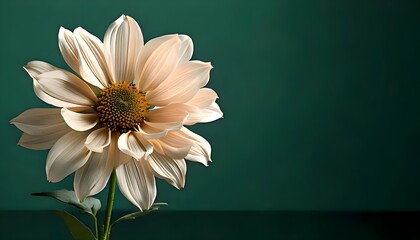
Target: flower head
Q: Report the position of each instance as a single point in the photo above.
(124, 109)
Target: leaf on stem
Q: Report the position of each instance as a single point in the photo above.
(90, 205)
(78, 230)
(134, 215)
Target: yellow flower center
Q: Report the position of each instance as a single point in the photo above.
(121, 107)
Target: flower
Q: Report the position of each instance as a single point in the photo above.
(125, 110)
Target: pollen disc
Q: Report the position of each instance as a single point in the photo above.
(121, 107)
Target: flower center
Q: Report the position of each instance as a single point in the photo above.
(121, 107)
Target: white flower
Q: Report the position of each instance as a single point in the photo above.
(124, 110)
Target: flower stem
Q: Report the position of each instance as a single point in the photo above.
(110, 202)
(95, 221)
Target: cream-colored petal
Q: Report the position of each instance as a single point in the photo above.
(46, 140)
(172, 170)
(48, 99)
(66, 156)
(157, 147)
(204, 98)
(181, 85)
(173, 145)
(38, 121)
(66, 87)
(68, 47)
(146, 52)
(150, 132)
(123, 40)
(186, 49)
(157, 59)
(98, 139)
(203, 107)
(93, 176)
(70, 50)
(170, 117)
(134, 144)
(80, 118)
(122, 158)
(35, 68)
(93, 57)
(209, 114)
(200, 150)
(42, 127)
(136, 182)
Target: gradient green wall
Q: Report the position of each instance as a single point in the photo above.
(320, 100)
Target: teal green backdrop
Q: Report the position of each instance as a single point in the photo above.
(321, 100)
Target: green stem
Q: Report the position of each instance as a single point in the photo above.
(110, 202)
(95, 221)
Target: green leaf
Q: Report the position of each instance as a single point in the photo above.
(90, 205)
(134, 215)
(158, 205)
(78, 230)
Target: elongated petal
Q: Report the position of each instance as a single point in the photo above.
(175, 152)
(66, 87)
(97, 140)
(186, 49)
(209, 114)
(42, 127)
(80, 118)
(170, 117)
(172, 170)
(70, 50)
(202, 107)
(38, 121)
(157, 60)
(68, 47)
(182, 84)
(93, 176)
(157, 146)
(122, 158)
(93, 57)
(46, 140)
(204, 98)
(200, 150)
(35, 68)
(150, 132)
(48, 99)
(137, 183)
(66, 156)
(173, 145)
(123, 40)
(134, 144)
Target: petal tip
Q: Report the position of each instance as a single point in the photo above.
(26, 68)
(51, 179)
(62, 31)
(79, 30)
(121, 19)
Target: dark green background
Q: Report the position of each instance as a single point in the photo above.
(320, 100)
